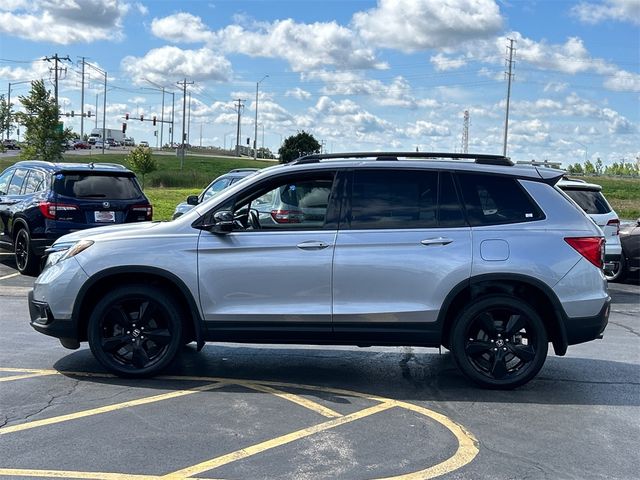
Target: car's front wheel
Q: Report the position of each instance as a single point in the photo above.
(135, 330)
(499, 342)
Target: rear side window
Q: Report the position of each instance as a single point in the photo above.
(384, 199)
(16, 182)
(493, 200)
(35, 182)
(591, 201)
(113, 187)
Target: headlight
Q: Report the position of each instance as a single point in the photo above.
(64, 250)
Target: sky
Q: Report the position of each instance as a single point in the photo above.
(358, 75)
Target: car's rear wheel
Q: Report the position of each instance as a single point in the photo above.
(135, 330)
(27, 262)
(616, 272)
(499, 342)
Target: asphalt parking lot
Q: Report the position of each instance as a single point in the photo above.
(302, 412)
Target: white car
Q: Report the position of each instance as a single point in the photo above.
(144, 143)
(590, 198)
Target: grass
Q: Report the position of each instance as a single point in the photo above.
(170, 185)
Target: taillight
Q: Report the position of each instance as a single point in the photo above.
(591, 248)
(50, 209)
(614, 223)
(287, 216)
(147, 209)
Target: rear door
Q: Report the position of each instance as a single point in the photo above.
(404, 246)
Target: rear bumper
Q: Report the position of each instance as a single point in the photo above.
(584, 329)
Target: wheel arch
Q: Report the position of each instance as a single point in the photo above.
(98, 283)
(18, 224)
(531, 290)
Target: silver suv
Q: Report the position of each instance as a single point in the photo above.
(469, 252)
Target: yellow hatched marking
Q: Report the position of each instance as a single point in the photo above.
(276, 442)
(108, 408)
(26, 375)
(306, 403)
(9, 276)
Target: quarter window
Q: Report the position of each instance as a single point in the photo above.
(494, 199)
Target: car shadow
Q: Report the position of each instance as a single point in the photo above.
(401, 374)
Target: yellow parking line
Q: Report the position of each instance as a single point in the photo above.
(26, 375)
(108, 408)
(9, 276)
(13, 472)
(311, 405)
(276, 442)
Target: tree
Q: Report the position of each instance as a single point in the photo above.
(141, 161)
(5, 113)
(297, 146)
(575, 168)
(589, 169)
(44, 137)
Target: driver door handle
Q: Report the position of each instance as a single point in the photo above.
(436, 241)
(312, 245)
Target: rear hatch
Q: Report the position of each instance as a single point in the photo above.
(596, 206)
(98, 198)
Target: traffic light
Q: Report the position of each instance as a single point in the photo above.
(154, 120)
(124, 128)
(142, 118)
(72, 113)
(126, 116)
(89, 114)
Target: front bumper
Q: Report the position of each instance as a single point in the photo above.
(43, 321)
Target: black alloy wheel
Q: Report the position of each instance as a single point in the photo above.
(499, 342)
(26, 261)
(135, 330)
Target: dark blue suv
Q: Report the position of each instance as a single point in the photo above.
(41, 201)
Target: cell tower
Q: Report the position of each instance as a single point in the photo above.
(465, 133)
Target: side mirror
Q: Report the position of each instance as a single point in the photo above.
(224, 222)
(192, 200)
(638, 222)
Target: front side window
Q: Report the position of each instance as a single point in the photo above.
(4, 181)
(495, 199)
(16, 182)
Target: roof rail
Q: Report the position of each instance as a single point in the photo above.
(248, 169)
(393, 156)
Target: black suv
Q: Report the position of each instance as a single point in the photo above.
(41, 201)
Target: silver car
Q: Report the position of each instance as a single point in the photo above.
(469, 252)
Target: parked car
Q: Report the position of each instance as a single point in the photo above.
(630, 241)
(144, 143)
(99, 144)
(10, 144)
(41, 201)
(128, 142)
(81, 145)
(112, 142)
(215, 187)
(590, 198)
(469, 252)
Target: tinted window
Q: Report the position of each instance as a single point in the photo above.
(81, 185)
(590, 201)
(493, 199)
(34, 183)
(4, 181)
(16, 182)
(403, 199)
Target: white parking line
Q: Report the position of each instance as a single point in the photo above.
(9, 276)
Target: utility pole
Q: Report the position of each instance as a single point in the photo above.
(509, 74)
(255, 134)
(189, 121)
(57, 59)
(239, 106)
(184, 118)
(173, 109)
(82, 104)
(465, 133)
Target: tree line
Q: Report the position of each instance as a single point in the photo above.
(627, 169)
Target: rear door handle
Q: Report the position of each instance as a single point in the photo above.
(436, 241)
(312, 245)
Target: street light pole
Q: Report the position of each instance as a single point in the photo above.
(255, 134)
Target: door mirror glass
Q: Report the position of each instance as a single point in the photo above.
(223, 222)
(192, 200)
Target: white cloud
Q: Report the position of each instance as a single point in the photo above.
(181, 28)
(65, 21)
(422, 128)
(443, 63)
(142, 9)
(555, 87)
(168, 64)
(304, 46)
(298, 93)
(622, 81)
(620, 10)
(413, 25)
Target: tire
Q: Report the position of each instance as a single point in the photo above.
(618, 274)
(27, 262)
(499, 342)
(135, 330)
